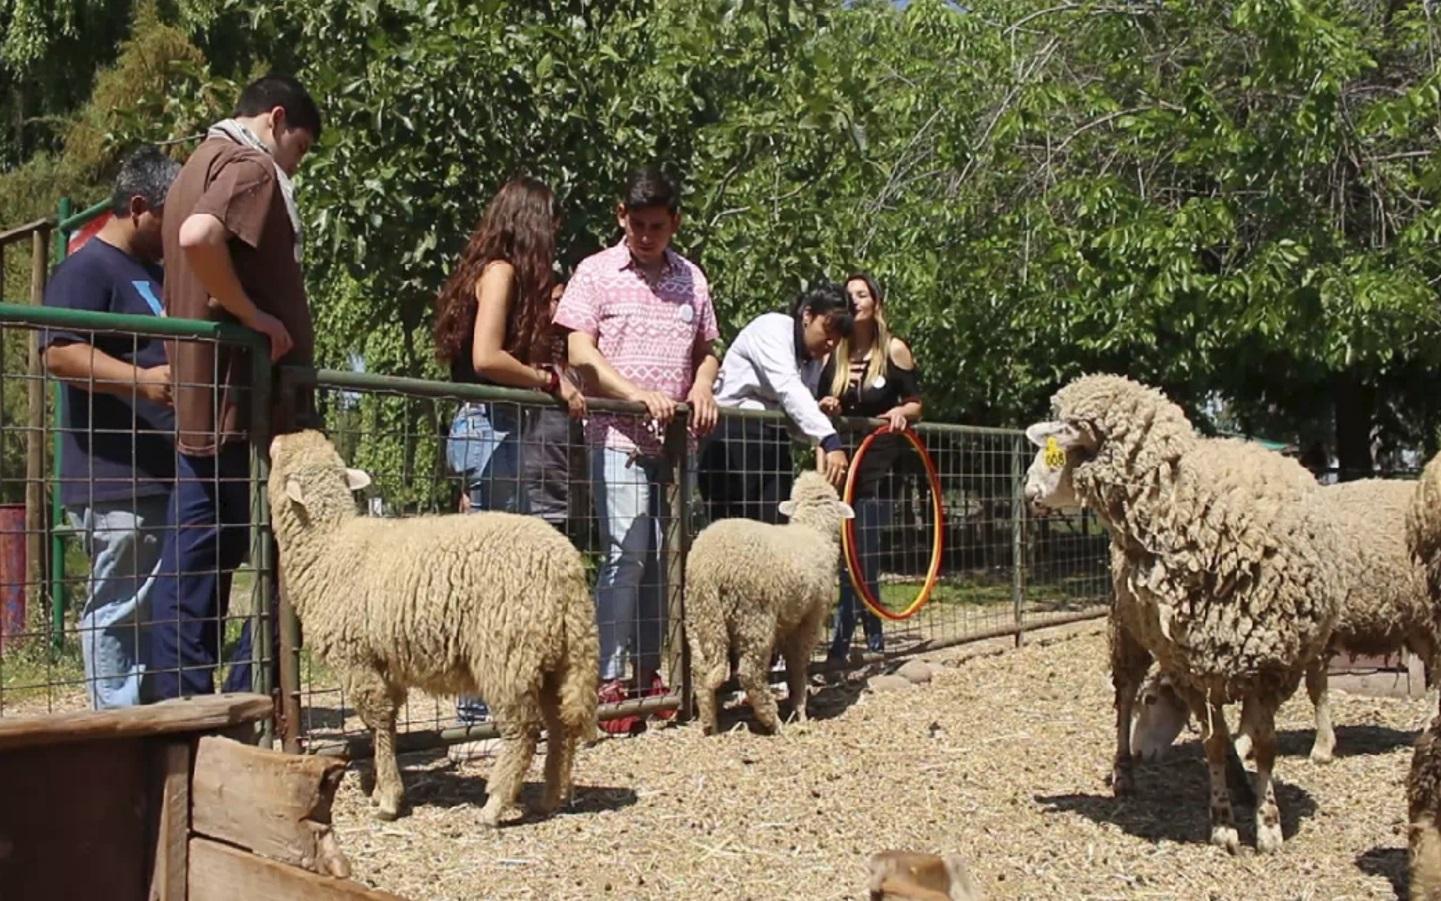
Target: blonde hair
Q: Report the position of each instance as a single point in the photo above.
(882, 339)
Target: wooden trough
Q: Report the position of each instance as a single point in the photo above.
(160, 803)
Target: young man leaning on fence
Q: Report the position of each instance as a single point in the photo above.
(116, 459)
(232, 253)
(774, 363)
(641, 329)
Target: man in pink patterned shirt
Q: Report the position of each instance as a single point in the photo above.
(642, 329)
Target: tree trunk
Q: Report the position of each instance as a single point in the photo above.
(1355, 409)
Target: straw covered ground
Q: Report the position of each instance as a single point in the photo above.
(1001, 758)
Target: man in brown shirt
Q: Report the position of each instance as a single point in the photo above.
(232, 253)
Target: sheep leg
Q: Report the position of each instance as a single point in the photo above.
(519, 734)
(1322, 751)
(1217, 740)
(709, 667)
(378, 702)
(752, 672)
(560, 742)
(1260, 721)
(797, 649)
(1129, 662)
(1423, 865)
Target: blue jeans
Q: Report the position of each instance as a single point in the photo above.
(123, 541)
(208, 537)
(872, 513)
(484, 449)
(630, 586)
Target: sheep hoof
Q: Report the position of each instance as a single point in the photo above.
(386, 812)
(1226, 837)
(490, 816)
(1268, 838)
(1322, 755)
(1123, 783)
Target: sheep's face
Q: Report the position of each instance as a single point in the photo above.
(814, 501)
(307, 473)
(1060, 446)
(1160, 716)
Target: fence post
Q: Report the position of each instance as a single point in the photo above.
(57, 509)
(262, 613)
(1018, 525)
(289, 626)
(677, 543)
(36, 530)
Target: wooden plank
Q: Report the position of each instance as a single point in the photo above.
(168, 879)
(20, 231)
(199, 714)
(219, 872)
(74, 821)
(275, 804)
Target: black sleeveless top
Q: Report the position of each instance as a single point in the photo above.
(891, 389)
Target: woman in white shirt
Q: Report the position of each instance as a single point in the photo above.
(774, 363)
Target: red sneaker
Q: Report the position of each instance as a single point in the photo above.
(658, 688)
(613, 692)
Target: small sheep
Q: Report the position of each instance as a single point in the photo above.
(492, 604)
(1423, 809)
(909, 876)
(752, 586)
(1220, 560)
(1384, 607)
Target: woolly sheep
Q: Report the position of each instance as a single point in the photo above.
(1384, 607)
(492, 603)
(1220, 563)
(1423, 810)
(752, 586)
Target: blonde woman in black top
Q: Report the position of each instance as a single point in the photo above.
(871, 374)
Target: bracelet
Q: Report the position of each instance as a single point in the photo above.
(552, 385)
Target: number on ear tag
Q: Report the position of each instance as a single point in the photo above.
(1053, 455)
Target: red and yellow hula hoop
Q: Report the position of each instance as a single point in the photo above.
(848, 533)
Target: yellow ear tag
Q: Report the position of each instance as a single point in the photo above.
(1053, 455)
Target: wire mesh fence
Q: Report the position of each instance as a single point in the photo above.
(436, 447)
(129, 571)
(629, 495)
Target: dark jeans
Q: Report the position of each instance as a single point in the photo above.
(745, 471)
(871, 516)
(210, 513)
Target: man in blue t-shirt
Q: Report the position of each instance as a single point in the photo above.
(117, 462)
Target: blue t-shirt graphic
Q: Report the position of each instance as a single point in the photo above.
(111, 449)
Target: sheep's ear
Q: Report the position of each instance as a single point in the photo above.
(294, 491)
(846, 510)
(357, 479)
(1065, 434)
(787, 507)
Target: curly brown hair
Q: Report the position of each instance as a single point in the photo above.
(518, 226)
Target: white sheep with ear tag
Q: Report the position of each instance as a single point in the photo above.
(754, 587)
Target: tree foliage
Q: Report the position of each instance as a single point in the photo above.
(1237, 203)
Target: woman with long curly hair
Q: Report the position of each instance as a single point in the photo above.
(493, 327)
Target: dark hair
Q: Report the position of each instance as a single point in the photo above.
(269, 91)
(827, 299)
(648, 186)
(146, 173)
(518, 226)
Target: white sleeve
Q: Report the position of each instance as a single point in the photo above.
(774, 358)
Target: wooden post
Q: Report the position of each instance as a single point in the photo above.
(168, 873)
(676, 541)
(36, 532)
